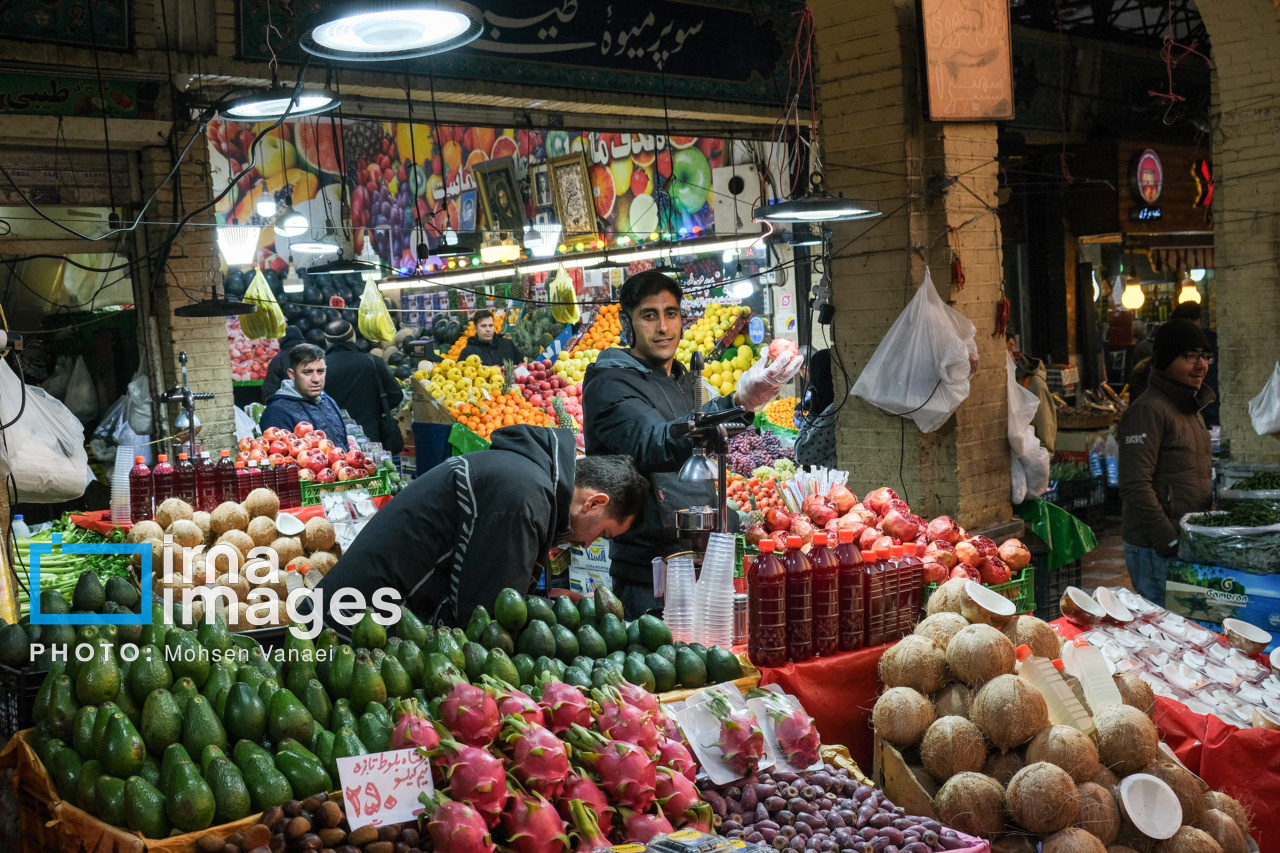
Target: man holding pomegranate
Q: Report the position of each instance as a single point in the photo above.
(635, 402)
(1166, 459)
(301, 398)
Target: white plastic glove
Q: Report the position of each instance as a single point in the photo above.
(762, 382)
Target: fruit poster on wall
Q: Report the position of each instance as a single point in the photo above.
(399, 174)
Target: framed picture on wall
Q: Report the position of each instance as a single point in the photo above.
(500, 191)
(467, 217)
(571, 187)
(540, 186)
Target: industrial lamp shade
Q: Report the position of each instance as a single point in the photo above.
(238, 243)
(291, 223)
(1189, 292)
(386, 30)
(1133, 297)
(267, 104)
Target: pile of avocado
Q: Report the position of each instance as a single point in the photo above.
(89, 596)
(530, 636)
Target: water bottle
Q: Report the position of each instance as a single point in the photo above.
(19, 527)
(1097, 465)
(1113, 460)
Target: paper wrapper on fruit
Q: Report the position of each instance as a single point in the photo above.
(764, 379)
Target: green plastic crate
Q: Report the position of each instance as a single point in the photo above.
(1021, 591)
(379, 484)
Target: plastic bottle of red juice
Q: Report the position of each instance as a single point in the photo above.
(206, 484)
(184, 480)
(910, 587)
(291, 489)
(767, 608)
(225, 475)
(256, 479)
(140, 491)
(243, 485)
(162, 479)
(852, 618)
(799, 602)
(873, 573)
(826, 596)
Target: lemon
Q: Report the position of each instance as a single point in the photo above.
(737, 374)
(726, 388)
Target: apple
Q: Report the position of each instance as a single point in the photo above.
(301, 429)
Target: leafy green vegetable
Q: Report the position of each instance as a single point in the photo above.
(1262, 481)
(1241, 514)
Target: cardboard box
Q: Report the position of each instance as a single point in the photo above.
(1209, 594)
(586, 580)
(426, 408)
(595, 556)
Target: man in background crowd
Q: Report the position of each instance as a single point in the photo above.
(362, 384)
(492, 348)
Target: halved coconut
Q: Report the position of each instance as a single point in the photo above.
(1112, 605)
(1265, 719)
(1150, 805)
(981, 605)
(1249, 639)
(289, 524)
(1078, 606)
(1275, 658)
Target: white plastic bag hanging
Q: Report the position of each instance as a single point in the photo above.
(56, 384)
(1264, 409)
(921, 369)
(82, 394)
(1028, 458)
(44, 447)
(138, 410)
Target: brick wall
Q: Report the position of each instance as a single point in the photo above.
(878, 145)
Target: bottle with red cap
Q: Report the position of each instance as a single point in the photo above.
(910, 587)
(243, 484)
(256, 479)
(290, 486)
(162, 479)
(140, 491)
(799, 601)
(875, 574)
(184, 480)
(767, 608)
(826, 596)
(225, 476)
(206, 484)
(270, 475)
(849, 563)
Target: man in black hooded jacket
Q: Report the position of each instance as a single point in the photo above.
(460, 533)
(359, 382)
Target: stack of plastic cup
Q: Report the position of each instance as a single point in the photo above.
(121, 510)
(677, 609)
(713, 598)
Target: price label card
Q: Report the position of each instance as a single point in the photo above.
(383, 788)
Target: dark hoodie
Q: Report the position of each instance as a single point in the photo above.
(278, 367)
(492, 352)
(632, 408)
(466, 529)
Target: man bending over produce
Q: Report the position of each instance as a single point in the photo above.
(477, 523)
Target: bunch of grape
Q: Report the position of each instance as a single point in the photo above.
(751, 449)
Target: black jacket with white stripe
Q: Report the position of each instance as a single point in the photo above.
(467, 528)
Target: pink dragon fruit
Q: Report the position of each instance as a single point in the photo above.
(456, 827)
(699, 817)
(538, 758)
(676, 794)
(667, 726)
(512, 702)
(580, 787)
(635, 695)
(621, 721)
(586, 829)
(533, 826)
(627, 773)
(641, 828)
(741, 742)
(470, 714)
(794, 731)
(563, 705)
(412, 727)
(472, 775)
(674, 754)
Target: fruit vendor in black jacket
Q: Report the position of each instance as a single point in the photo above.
(492, 348)
(360, 383)
(634, 400)
(480, 522)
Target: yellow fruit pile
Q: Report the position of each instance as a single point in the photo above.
(724, 375)
(704, 334)
(454, 382)
(782, 412)
(460, 344)
(572, 367)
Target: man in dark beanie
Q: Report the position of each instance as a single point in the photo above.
(362, 384)
(1166, 461)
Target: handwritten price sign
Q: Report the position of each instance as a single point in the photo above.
(383, 788)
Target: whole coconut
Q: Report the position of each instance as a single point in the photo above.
(1127, 739)
(1099, 813)
(240, 540)
(901, 716)
(322, 561)
(1188, 839)
(1136, 693)
(1105, 778)
(262, 530)
(185, 533)
(941, 627)
(971, 803)
(228, 515)
(288, 547)
(946, 598)
(953, 700)
(952, 745)
(1042, 798)
(1185, 784)
(1067, 748)
(202, 520)
(318, 535)
(1120, 848)
(914, 662)
(979, 653)
(142, 531)
(262, 503)
(1014, 842)
(1009, 711)
(172, 510)
(1035, 633)
(1003, 766)
(1072, 840)
(1219, 826)
(1231, 807)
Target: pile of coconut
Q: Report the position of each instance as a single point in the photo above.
(972, 740)
(305, 553)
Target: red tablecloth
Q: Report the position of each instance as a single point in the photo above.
(100, 520)
(838, 692)
(1243, 763)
